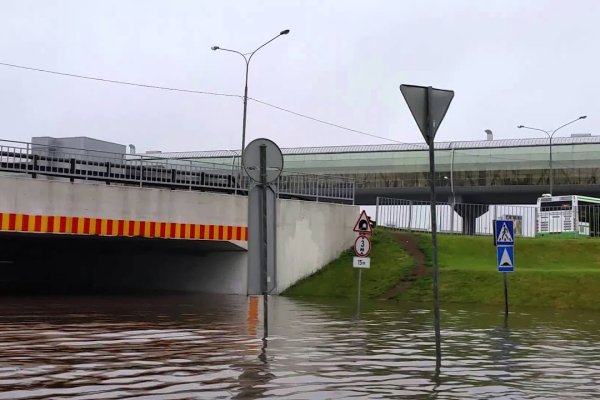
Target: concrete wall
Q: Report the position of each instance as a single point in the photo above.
(42, 197)
(310, 235)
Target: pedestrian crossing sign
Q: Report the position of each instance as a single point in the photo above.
(504, 233)
(505, 255)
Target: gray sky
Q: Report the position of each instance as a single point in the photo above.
(509, 62)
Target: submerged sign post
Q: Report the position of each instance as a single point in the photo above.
(504, 240)
(428, 107)
(262, 161)
(362, 249)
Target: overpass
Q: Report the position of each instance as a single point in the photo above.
(90, 236)
(512, 171)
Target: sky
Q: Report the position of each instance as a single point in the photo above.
(509, 62)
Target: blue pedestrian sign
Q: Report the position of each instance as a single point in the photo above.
(504, 233)
(505, 255)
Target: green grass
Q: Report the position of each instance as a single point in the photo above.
(548, 273)
(389, 264)
(556, 274)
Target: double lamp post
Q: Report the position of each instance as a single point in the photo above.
(247, 57)
(550, 135)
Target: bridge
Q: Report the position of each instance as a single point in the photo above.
(513, 171)
(74, 219)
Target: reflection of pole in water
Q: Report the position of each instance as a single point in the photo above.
(504, 346)
(252, 319)
(255, 376)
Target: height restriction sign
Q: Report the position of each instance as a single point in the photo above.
(362, 246)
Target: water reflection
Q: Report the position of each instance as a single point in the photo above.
(174, 347)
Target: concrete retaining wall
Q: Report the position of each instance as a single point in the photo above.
(310, 235)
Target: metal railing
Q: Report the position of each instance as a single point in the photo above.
(477, 219)
(55, 162)
(468, 219)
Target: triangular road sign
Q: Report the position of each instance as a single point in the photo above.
(362, 224)
(505, 260)
(427, 103)
(505, 255)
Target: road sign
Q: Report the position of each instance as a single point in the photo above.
(251, 160)
(505, 255)
(504, 233)
(427, 103)
(362, 224)
(362, 246)
(361, 262)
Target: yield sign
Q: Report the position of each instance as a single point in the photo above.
(428, 106)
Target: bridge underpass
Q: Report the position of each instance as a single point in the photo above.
(47, 263)
(91, 236)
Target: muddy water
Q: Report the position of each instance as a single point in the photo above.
(197, 347)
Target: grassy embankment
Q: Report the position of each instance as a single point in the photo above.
(556, 273)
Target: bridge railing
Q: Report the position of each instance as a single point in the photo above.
(152, 171)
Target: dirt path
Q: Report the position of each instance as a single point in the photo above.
(410, 244)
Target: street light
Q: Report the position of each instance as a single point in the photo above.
(550, 135)
(247, 57)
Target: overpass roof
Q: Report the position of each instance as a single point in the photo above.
(395, 147)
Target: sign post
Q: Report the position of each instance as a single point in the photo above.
(504, 240)
(263, 162)
(362, 249)
(428, 107)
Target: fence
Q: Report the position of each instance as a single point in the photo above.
(566, 219)
(470, 219)
(142, 170)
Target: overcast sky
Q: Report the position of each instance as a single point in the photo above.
(509, 62)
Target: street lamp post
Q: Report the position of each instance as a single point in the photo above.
(247, 57)
(550, 135)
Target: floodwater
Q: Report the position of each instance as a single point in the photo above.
(201, 347)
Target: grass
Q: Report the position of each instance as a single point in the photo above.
(389, 264)
(548, 273)
(556, 274)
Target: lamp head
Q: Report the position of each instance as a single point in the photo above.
(284, 32)
(583, 117)
(521, 126)
(215, 48)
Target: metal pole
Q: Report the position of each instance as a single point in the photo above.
(377, 210)
(551, 171)
(358, 294)
(452, 177)
(410, 213)
(263, 237)
(245, 109)
(505, 295)
(436, 300)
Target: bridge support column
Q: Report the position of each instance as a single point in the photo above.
(469, 214)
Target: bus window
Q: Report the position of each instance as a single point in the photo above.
(556, 206)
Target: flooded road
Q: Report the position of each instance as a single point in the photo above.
(198, 347)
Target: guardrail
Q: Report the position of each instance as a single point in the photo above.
(149, 171)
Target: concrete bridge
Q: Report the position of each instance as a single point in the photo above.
(92, 236)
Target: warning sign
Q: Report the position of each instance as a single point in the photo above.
(363, 225)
